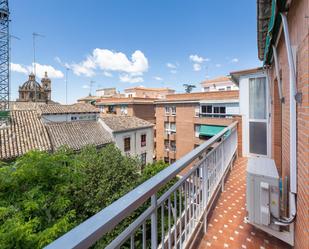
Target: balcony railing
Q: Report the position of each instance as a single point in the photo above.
(172, 218)
(215, 115)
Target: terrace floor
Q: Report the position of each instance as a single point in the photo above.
(226, 225)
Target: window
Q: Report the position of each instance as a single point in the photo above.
(206, 89)
(222, 109)
(111, 109)
(166, 145)
(173, 127)
(170, 127)
(143, 140)
(173, 110)
(228, 88)
(207, 109)
(173, 146)
(173, 160)
(166, 160)
(221, 89)
(143, 158)
(123, 110)
(257, 98)
(216, 109)
(167, 110)
(127, 144)
(73, 118)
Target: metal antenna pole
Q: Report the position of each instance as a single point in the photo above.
(66, 85)
(34, 35)
(90, 86)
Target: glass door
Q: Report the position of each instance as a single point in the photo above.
(258, 116)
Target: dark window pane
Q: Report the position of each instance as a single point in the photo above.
(222, 109)
(258, 138)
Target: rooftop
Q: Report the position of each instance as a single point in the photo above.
(77, 134)
(66, 109)
(217, 80)
(125, 100)
(121, 123)
(197, 96)
(26, 132)
(154, 89)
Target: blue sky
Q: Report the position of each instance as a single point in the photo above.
(124, 43)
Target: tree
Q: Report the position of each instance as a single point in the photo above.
(189, 87)
(42, 196)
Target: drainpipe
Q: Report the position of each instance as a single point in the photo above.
(293, 151)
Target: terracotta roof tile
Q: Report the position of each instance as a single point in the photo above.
(77, 134)
(64, 109)
(26, 132)
(121, 123)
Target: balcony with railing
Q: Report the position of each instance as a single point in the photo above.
(176, 205)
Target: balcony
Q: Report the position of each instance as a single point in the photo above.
(187, 213)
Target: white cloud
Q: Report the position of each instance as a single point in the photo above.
(171, 65)
(198, 59)
(173, 71)
(107, 74)
(218, 65)
(18, 68)
(116, 61)
(197, 67)
(85, 86)
(158, 78)
(235, 60)
(51, 71)
(39, 68)
(108, 60)
(130, 79)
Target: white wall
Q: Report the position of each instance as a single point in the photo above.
(68, 117)
(135, 138)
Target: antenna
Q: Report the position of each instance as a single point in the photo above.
(90, 86)
(34, 35)
(66, 84)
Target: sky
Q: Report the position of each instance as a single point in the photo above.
(126, 43)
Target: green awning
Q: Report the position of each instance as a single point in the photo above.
(210, 130)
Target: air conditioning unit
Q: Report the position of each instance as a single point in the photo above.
(263, 192)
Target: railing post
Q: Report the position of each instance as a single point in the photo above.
(154, 225)
(222, 165)
(205, 181)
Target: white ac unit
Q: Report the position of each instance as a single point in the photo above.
(263, 193)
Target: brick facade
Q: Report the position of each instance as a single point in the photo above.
(298, 27)
(186, 119)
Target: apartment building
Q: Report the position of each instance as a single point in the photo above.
(140, 107)
(148, 92)
(221, 83)
(184, 121)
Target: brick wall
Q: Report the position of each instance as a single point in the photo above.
(298, 26)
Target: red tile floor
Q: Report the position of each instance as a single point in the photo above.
(226, 225)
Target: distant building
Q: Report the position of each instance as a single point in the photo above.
(106, 92)
(32, 91)
(147, 92)
(132, 135)
(46, 127)
(184, 121)
(65, 113)
(140, 107)
(221, 83)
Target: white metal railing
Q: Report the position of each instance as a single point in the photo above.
(171, 219)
